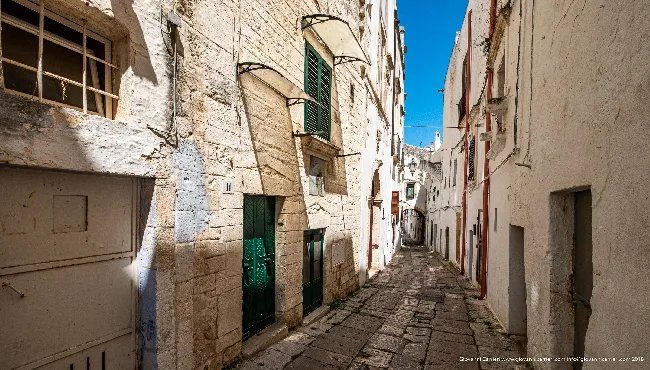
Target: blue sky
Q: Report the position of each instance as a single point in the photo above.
(431, 27)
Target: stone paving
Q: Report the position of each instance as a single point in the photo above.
(417, 314)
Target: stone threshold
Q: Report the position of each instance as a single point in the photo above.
(318, 314)
(264, 339)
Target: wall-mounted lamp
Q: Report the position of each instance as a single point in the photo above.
(412, 166)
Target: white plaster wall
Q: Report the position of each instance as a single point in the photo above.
(581, 78)
(582, 126)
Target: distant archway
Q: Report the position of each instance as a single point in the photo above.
(414, 227)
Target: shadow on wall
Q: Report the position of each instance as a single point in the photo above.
(272, 169)
(421, 199)
(140, 58)
(270, 127)
(146, 259)
(337, 179)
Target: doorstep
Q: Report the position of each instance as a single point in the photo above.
(264, 339)
(316, 315)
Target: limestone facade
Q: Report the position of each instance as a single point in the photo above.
(200, 137)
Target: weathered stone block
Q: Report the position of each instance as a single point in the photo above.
(230, 312)
(204, 284)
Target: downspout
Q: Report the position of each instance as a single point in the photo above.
(486, 171)
(465, 161)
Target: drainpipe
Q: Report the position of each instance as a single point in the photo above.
(486, 171)
(465, 161)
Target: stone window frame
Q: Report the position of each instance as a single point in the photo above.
(320, 186)
(89, 60)
(410, 185)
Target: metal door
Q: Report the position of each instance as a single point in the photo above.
(67, 246)
(312, 271)
(447, 243)
(258, 278)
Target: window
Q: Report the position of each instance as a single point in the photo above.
(410, 191)
(318, 84)
(471, 155)
(462, 106)
(316, 176)
(455, 170)
(65, 78)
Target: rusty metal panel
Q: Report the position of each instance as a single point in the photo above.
(66, 266)
(64, 308)
(32, 216)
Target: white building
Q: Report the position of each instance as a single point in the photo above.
(385, 132)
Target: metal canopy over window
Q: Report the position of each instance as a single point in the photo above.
(337, 35)
(277, 82)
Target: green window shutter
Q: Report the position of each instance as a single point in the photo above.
(325, 99)
(311, 87)
(318, 84)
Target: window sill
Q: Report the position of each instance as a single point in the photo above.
(320, 148)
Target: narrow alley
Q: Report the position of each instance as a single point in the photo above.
(221, 184)
(418, 313)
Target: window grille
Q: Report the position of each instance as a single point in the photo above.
(471, 155)
(54, 59)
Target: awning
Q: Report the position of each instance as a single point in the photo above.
(276, 81)
(337, 35)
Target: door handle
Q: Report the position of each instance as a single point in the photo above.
(246, 267)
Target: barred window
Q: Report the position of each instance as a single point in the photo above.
(55, 59)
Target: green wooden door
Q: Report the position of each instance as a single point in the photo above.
(258, 264)
(312, 271)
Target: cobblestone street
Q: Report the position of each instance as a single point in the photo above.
(419, 313)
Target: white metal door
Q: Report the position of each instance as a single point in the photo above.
(67, 252)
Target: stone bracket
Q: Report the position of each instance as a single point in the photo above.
(319, 147)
